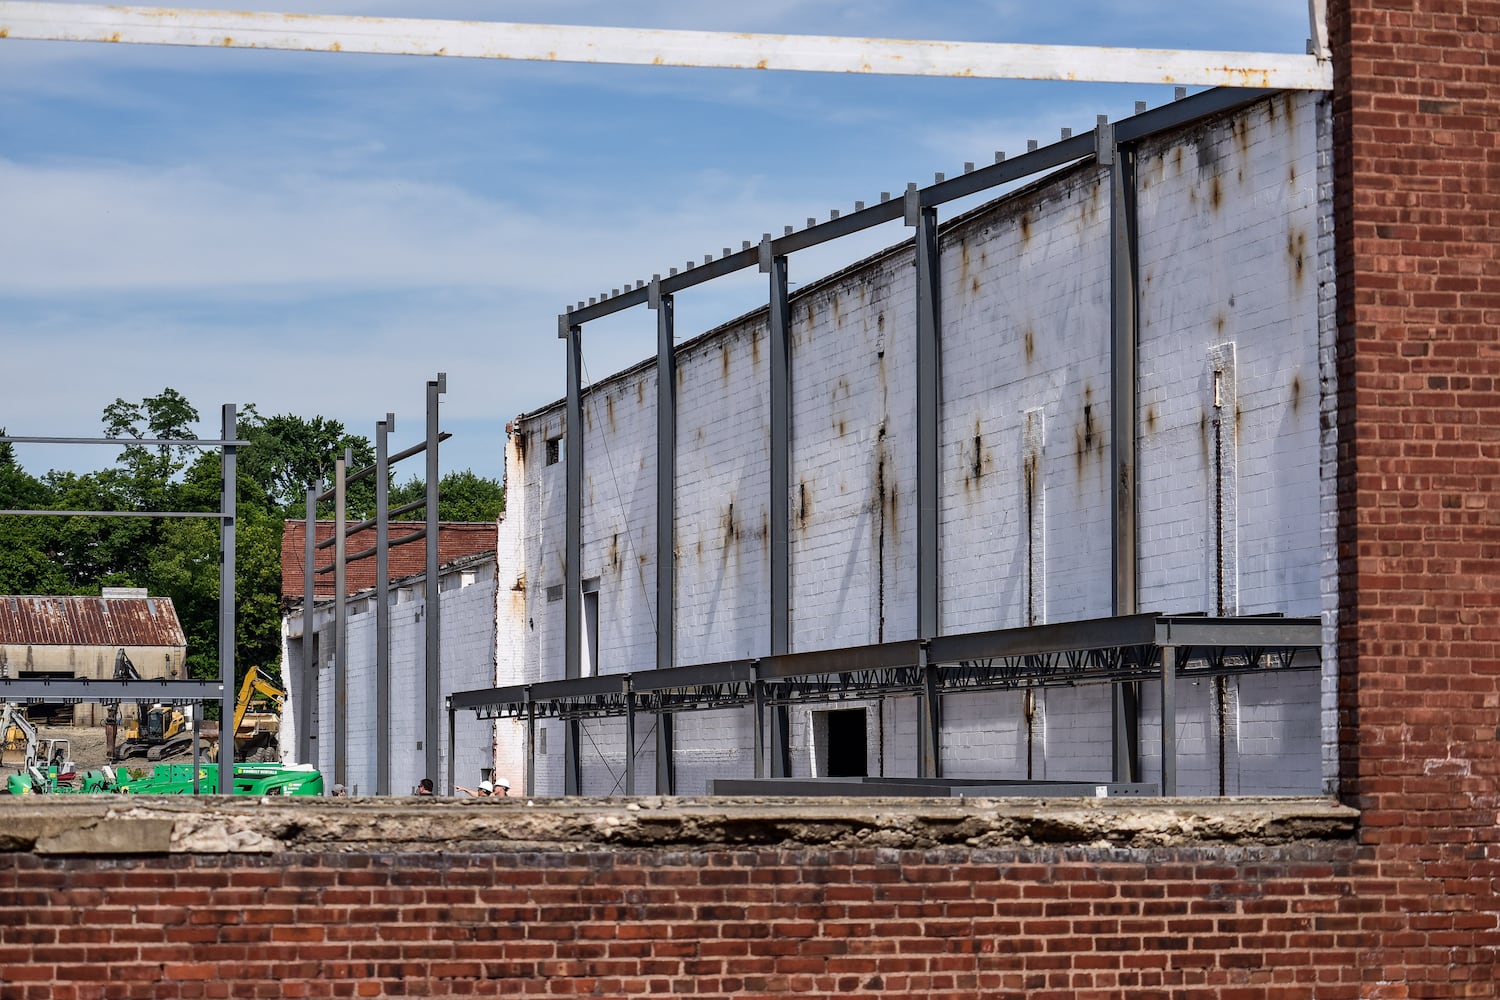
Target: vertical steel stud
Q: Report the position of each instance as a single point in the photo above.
(1169, 720)
(573, 548)
(383, 607)
(666, 503)
(929, 408)
(228, 507)
(432, 612)
(780, 499)
(340, 620)
(307, 710)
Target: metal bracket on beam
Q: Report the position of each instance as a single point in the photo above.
(564, 323)
(767, 254)
(653, 293)
(911, 209)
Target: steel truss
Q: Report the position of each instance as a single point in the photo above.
(1142, 647)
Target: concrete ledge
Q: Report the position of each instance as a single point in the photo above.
(119, 825)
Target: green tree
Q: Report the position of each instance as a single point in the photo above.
(462, 496)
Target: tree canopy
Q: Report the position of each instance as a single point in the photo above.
(179, 557)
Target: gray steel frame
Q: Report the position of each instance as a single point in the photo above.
(173, 692)
(432, 618)
(1111, 146)
(1134, 648)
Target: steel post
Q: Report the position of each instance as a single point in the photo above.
(307, 710)
(929, 405)
(573, 548)
(227, 506)
(666, 764)
(932, 719)
(530, 747)
(340, 620)
(432, 612)
(383, 606)
(1123, 269)
(452, 749)
(1169, 720)
(629, 738)
(780, 499)
(760, 724)
(666, 502)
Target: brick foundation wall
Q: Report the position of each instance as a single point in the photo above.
(1416, 113)
(1271, 921)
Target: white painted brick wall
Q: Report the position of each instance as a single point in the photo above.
(1235, 248)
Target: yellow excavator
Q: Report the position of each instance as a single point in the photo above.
(157, 731)
(258, 727)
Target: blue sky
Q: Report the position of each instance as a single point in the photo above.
(320, 234)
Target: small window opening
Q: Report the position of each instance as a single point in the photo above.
(554, 450)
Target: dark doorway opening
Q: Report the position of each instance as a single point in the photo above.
(848, 752)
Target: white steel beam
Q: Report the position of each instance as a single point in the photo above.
(643, 47)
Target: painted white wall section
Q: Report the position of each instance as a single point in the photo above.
(468, 593)
(1235, 272)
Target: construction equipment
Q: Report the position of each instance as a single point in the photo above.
(254, 728)
(249, 779)
(46, 763)
(157, 731)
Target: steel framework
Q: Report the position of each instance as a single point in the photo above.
(160, 691)
(1110, 145)
(1134, 648)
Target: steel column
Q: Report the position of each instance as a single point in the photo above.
(629, 738)
(573, 547)
(530, 747)
(1123, 268)
(666, 764)
(1169, 720)
(760, 724)
(307, 738)
(452, 749)
(929, 403)
(780, 500)
(1123, 258)
(227, 506)
(432, 612)
(931, 728)
(383, 607)
(340, 620)
(666, 500)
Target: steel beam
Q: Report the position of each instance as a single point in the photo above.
(227, 506)
(573, 543)
(383, 429)
(307, 712)
(629, 736)
(666, 505)
(432, 612)
(666, 764)
(1123, 259)
(779, 502)
(931, 728)
(657, 47)
(1169, 720)
(340, 622)
(83, 690)
(929, 408)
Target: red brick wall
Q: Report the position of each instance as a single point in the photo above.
(1285, 921)
(1417, 215)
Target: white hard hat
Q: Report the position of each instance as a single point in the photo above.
(485, 786)
(503, 783)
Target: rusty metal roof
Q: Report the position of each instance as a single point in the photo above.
(89, 621)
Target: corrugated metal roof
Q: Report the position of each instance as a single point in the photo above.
(89, 621)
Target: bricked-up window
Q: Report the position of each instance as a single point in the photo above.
(554, 450)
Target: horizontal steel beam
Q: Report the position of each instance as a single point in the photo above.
(654, 47)
(354, 529)
(82, 690)
(120, 513)
(1091, 651)
(122, 442)
(1050, 157)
